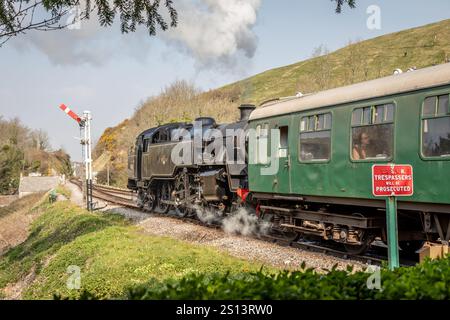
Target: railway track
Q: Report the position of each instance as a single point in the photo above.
(113, 195)
(125, 198)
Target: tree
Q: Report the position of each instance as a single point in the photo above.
(341, 3)
(19, 16)
(322, 70)
(11, 161)
(41, 140)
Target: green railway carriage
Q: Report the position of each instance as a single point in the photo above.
(328, 143)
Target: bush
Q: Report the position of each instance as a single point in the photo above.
(426, 281)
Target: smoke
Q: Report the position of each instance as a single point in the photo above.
(241, 222)
(213, 32)
(216, 31)
(245, 223)
(91, 44)
(206, 215)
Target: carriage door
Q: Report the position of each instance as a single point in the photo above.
(282, 181)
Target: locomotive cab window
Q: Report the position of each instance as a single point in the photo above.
(146, 145)
(373, 132)
(436, 127)
(161, 136)
(315, 138)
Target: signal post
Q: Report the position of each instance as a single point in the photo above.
(86, 142)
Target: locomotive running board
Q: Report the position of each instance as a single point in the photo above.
(353, 221)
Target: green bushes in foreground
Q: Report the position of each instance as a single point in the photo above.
(430, 280)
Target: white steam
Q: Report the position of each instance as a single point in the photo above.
(211, 31)
(245, 223)
(241, 222)
(216, 30)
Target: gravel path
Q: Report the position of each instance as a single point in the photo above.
(239, 246)
(76, 196)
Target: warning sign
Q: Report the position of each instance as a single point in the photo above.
(392, 180)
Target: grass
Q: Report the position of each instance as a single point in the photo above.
(26, 203)
(111, 254)
(63, 191)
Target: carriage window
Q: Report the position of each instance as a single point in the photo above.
(429, 106)
(284, 142)
(262, 144)
(436, 127)
(315, 138)
(373, 132)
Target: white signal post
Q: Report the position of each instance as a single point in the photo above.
(87, 146)
(86, 142)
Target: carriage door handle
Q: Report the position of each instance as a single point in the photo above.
(287, 162)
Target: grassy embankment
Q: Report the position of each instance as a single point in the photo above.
(112, 254)
(117, 260)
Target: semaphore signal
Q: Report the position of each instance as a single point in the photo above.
(70, 113)
(85, 133)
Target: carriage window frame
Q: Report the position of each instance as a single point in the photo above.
(307, 129)
(259, 134)
(437, 115)
(372, 123)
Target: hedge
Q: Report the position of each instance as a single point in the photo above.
(427, 281)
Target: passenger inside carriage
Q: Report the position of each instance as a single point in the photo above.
(360, 148)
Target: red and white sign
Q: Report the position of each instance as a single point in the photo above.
(392, 180)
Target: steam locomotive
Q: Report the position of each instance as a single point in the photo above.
(199, 179)
(324, 148)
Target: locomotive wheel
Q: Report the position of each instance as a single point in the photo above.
(366, 240)
(163, 195)
(141, 199)
(361, 248)
(180, 196)
(150, 202)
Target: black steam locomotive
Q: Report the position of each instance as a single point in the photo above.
(185, 166)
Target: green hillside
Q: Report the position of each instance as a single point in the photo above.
(366, 60)
(359, 61)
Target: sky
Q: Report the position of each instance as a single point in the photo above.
(216, 42)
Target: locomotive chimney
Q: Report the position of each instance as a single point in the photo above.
(246, 110)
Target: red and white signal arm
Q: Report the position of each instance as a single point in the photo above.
(70, 113)
(392, 180)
